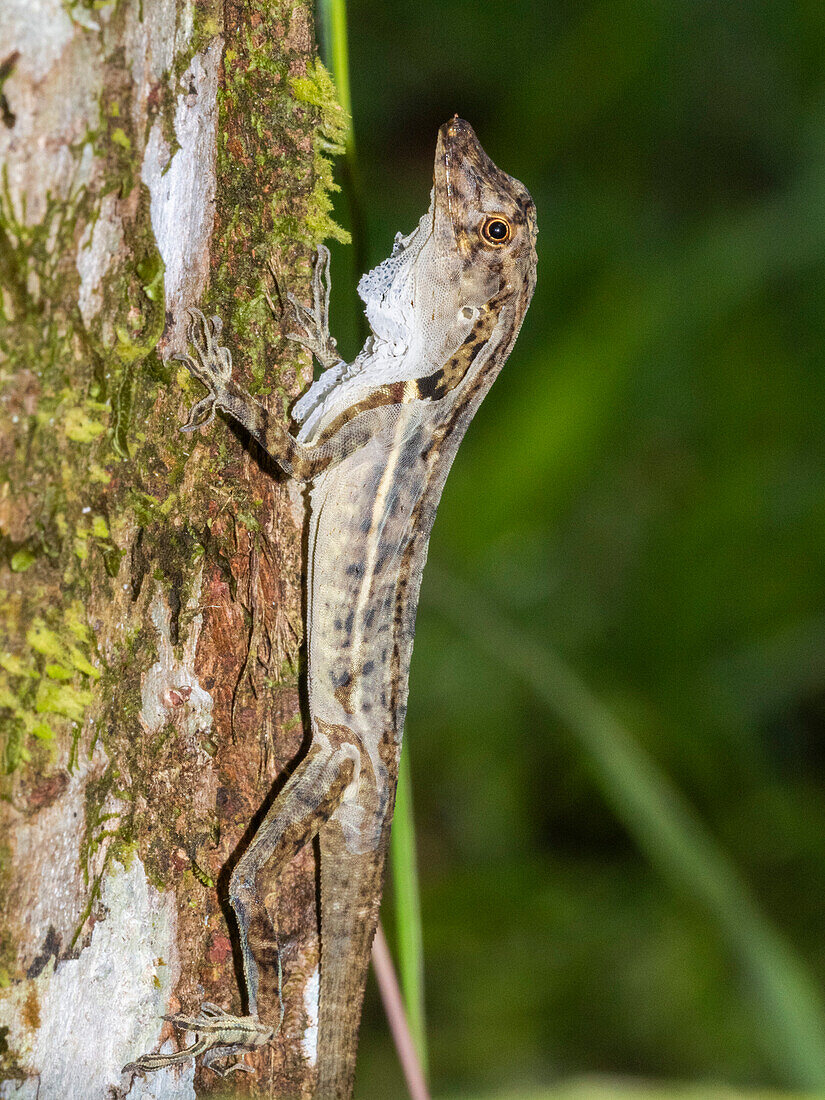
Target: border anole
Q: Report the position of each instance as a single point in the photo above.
(376, 440)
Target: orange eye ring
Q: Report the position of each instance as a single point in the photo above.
(497, 230)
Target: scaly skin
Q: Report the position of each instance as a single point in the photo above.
(377, 440)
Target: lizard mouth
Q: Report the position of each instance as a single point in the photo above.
(456, 148)
(459, 147)
(463, 174)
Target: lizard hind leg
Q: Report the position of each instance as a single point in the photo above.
(310, 797)
(218, 1035)
(306, 803)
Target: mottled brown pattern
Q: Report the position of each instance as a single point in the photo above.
(445, 438)
(391, 394)
(343, 693)
(438, 385)
(420, 470)
(431, 387)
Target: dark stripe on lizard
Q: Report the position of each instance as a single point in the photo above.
(424, 513)
(433, 386)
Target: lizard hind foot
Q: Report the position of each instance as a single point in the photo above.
(218, 1035)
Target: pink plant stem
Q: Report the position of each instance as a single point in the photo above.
(394, 1008)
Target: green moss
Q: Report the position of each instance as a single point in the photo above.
(13, 664)
(203, 877)
(136, 318)
(248, 521)
(85, 913)
(80, 424)
(98, 474)
(62, 699)
(34, 328)
(51, 681)
(260, 89)
(80, 427)
(22, 560)
(120, 137)
(74, 618)
(100, 826)
(317, 89)
(58, 672)
(45, 641)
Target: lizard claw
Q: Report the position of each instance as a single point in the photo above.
(213, 367)
(314, 322)
(196, 418)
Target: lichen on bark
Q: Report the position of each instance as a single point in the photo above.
(154, 156)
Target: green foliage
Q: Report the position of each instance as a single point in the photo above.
(407, 905)
(51, 680)
(641, 494)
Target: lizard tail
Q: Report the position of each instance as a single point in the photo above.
(351, 887)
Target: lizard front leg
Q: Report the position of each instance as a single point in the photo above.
(315, 322)
(213, 367)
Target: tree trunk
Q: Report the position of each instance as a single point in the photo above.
(156, 155)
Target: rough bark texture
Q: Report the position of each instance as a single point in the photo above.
(156, 154)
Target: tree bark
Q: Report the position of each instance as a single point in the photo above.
(156, 155)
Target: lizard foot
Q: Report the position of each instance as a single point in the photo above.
(213, 367)
(218, 1035)
(314, 323)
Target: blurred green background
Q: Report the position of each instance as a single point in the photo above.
(616, 731)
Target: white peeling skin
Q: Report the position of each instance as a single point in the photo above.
(98, 1010)
(309, 1040)
(183, 190)
(403, 335)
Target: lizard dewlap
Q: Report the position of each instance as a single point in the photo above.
(375, 441)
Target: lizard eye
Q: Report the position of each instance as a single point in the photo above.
(496, 230)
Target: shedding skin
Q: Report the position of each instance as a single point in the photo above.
(376, 440)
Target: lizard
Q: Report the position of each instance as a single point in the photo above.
(375, 441)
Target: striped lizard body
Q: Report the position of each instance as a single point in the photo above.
(376, 440)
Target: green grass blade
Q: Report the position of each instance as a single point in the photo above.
(791, 1017)
(332, 26)
(408, 909)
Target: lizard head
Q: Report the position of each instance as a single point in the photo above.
(483, 219)
(475, 243)
(470, 261)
